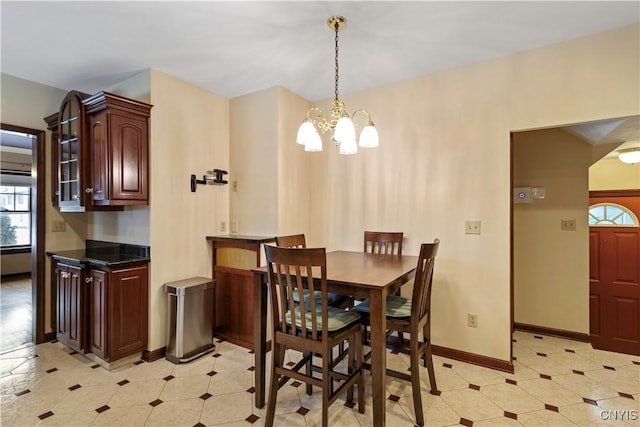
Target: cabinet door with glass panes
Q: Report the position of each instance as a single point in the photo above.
(70, 148)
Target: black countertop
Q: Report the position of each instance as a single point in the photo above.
(241, 238)
(104, 254)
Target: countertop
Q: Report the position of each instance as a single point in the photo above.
(104, 254)
(241, 238)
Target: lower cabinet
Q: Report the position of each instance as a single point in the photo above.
(127, 314)
(70, 324)
(98, 297)
(103, 311)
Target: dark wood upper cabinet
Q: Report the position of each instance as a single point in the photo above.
(52, 126)
(71, 153)
(100, 156)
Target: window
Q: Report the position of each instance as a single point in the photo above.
(608, 215)
(15, 203)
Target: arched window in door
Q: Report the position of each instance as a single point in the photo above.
(611, 215)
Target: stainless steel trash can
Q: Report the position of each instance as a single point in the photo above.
(190, 333)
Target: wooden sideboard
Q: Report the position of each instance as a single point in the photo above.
(233, 257)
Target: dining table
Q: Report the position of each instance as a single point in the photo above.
(356, 274)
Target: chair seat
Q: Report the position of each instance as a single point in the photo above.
(396, 306)
(338, 318)
(331, 297)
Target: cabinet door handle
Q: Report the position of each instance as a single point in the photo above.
(88, 190)
(88, 280)
(75, 197)
(64, 275)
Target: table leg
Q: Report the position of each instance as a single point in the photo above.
(378, 320)
(260, 335)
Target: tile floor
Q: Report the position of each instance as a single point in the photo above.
(556, 383)
(15, 312)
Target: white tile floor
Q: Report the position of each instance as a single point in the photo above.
(556, 383)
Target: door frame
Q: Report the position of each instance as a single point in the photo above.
(37, 230)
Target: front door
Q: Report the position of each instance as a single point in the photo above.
(614, 273)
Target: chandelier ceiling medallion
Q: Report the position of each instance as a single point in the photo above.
(339, 121)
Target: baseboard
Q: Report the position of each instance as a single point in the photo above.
(48, 337)
(153, 355)
(15, 276)
(475, 359)
(576, 336)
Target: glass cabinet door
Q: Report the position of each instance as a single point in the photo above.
(69, 151)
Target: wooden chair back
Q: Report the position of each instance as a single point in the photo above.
(388, 243)
(421, 298)
(291, 241)
(290, 270)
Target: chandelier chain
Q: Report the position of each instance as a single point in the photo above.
(336, 27)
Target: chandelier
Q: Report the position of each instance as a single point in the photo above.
(339, 121)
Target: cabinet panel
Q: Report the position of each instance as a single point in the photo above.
(129, 158)
(128, 311)
(99, 157)
(98, 315)
(70, 306)
(52, 126)
(233, 305)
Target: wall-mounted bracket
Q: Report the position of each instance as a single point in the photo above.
(215, 177)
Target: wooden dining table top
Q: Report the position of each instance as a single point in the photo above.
(363, 269)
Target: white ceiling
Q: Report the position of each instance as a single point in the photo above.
(237, 47)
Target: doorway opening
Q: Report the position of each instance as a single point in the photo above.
(22, 184)
(555, 168)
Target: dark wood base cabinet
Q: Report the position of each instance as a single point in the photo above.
(70, 306)
(233, 258)
(103, 311)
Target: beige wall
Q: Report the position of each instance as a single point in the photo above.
(25, 103)
(612, 174)
(254, 162)
(445, 158)
(294, 183)
(189, 135)
(551, 266)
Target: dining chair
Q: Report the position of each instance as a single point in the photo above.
(298, 241)
(378, 242)
(291, 241)
(387, 243)
(413, 316)
(313, 329)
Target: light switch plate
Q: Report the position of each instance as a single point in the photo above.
(472, 227)
(537, 192)
(568, 224)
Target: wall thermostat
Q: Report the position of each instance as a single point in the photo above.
(521, 194)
